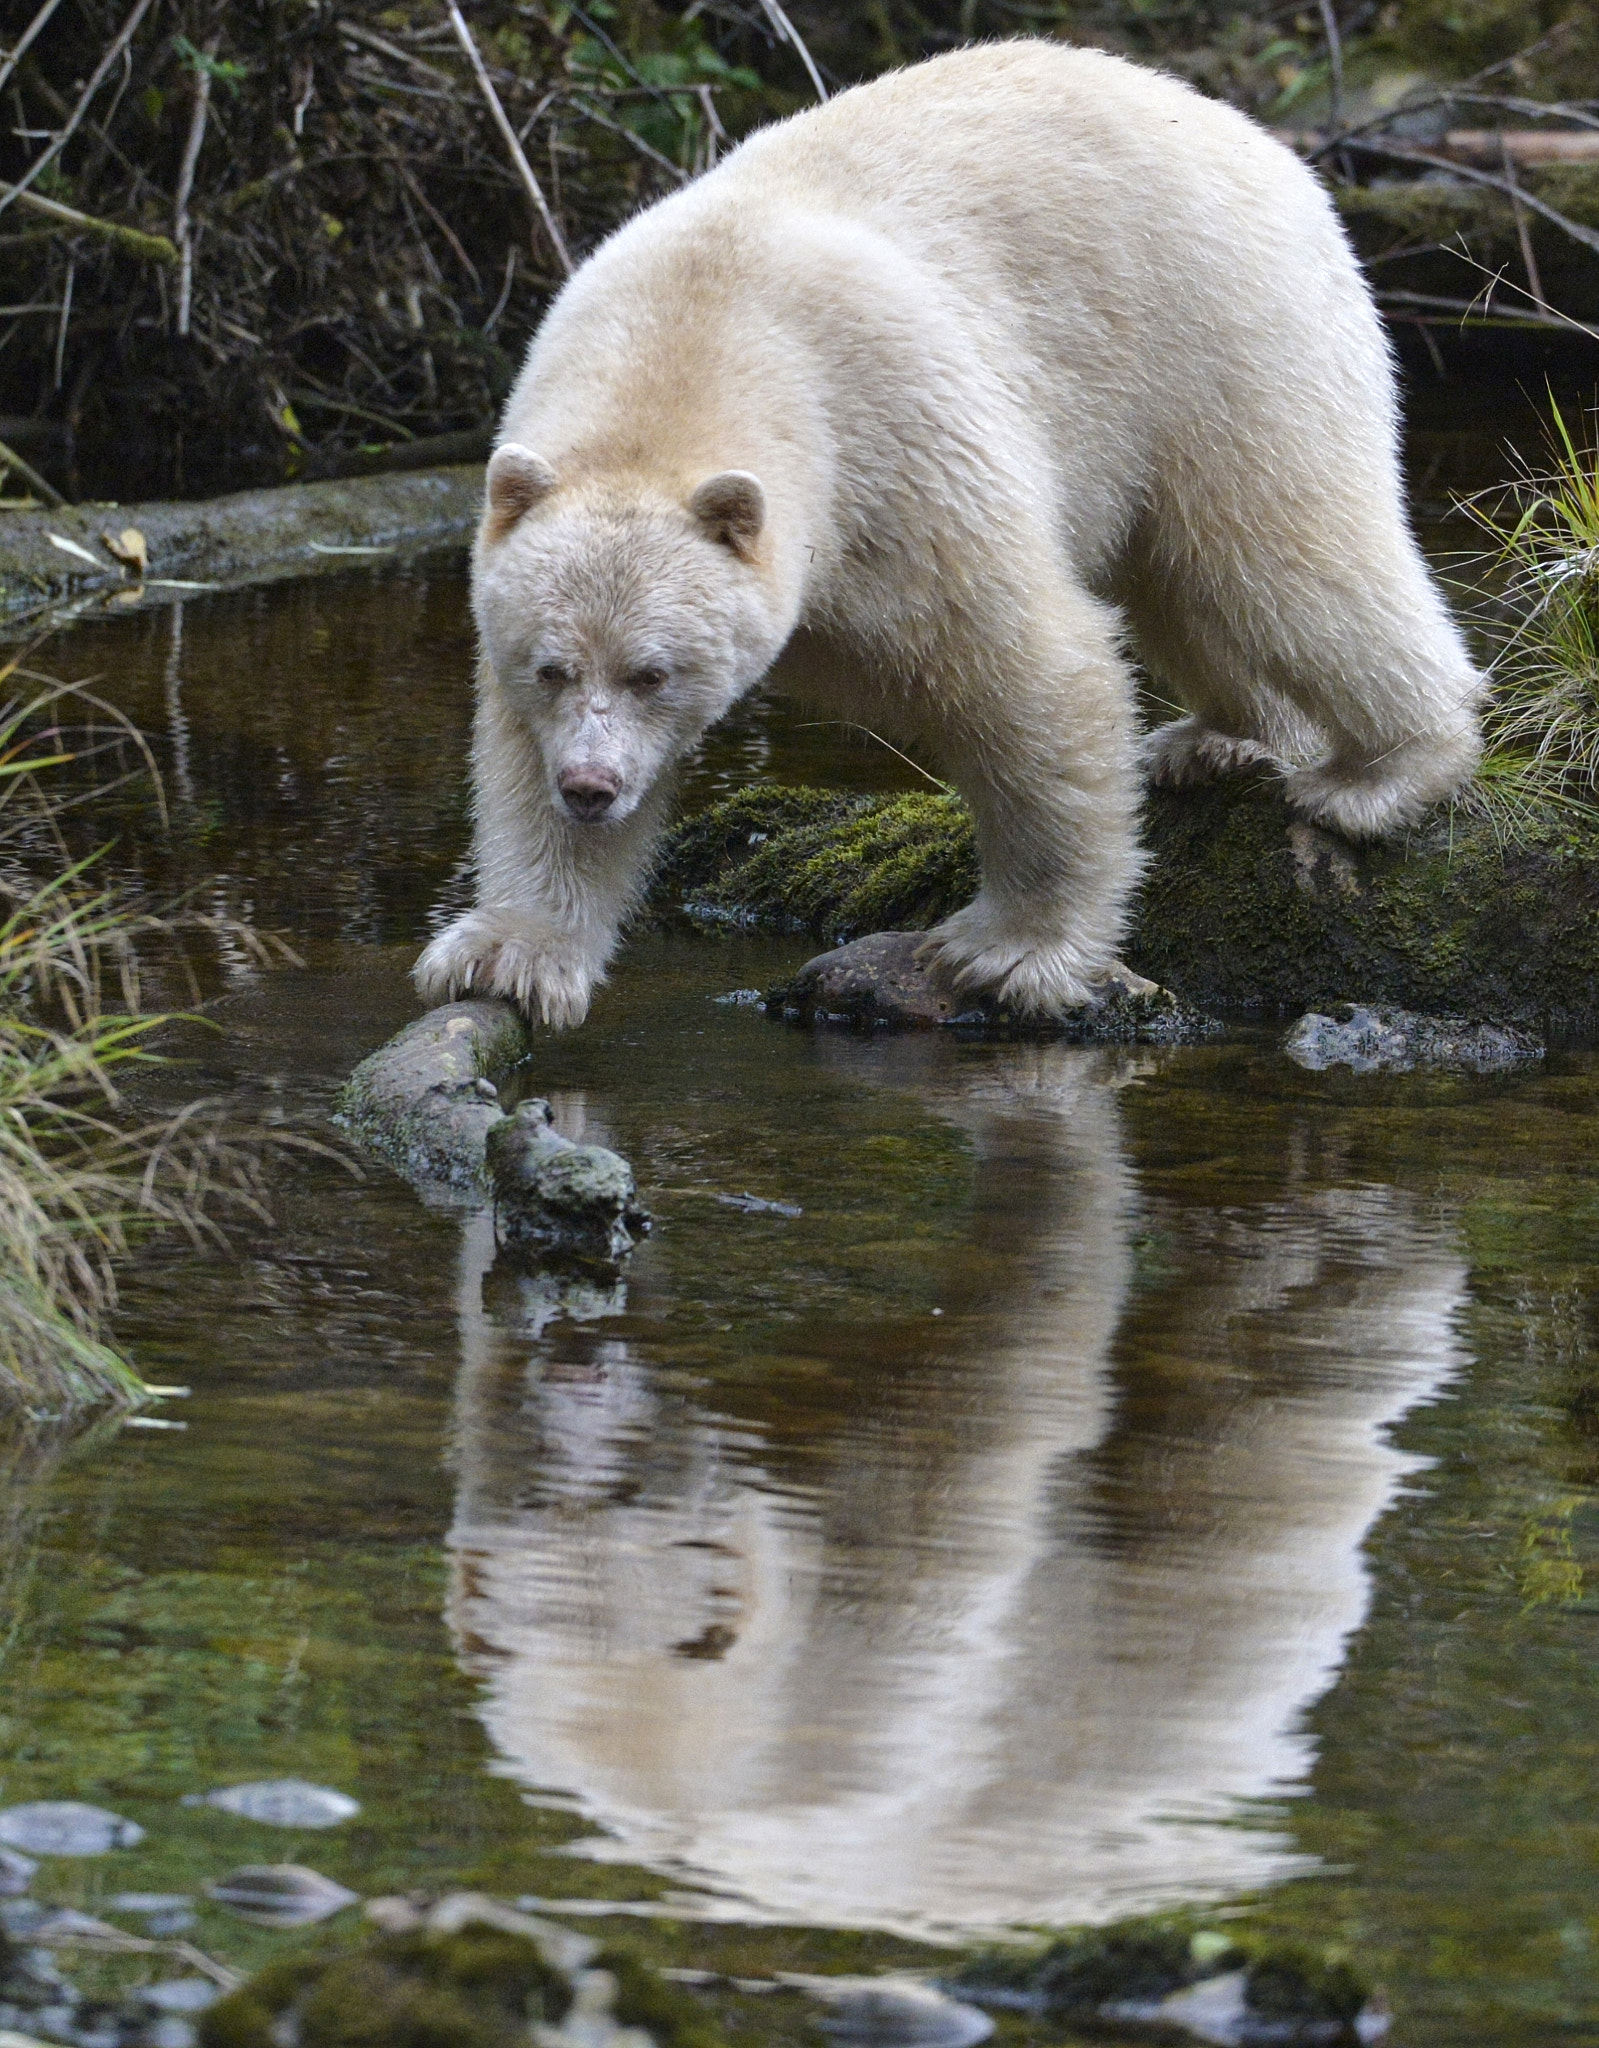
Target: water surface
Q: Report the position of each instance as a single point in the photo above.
(1130, 1477)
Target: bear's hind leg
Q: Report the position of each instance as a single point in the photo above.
(1039, 731)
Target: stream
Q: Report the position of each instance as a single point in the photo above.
(1098, 1480)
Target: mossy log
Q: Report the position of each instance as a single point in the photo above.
(1243, 905)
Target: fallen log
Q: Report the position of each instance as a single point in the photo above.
(65, 552)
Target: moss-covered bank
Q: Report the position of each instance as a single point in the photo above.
(1243, 905)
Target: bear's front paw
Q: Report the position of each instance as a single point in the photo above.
(1033, 975)
(496, 953)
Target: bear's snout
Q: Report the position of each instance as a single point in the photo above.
(589, 792)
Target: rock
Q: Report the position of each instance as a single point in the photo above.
(421, 1102)
(64, 1827)
(280, 1895)
(16, 1873)
(1371, 1040)
(880, 981)
(574, 1201)
(163, 1913)
(284, 1803)
(895, 2012)
(182, 1994)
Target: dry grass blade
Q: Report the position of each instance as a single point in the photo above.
(80, 1180)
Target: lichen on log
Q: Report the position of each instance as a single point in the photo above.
(1243, 905)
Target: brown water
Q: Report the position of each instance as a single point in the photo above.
(1130, 1478)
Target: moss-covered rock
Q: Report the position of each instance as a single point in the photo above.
(476, 1987)
(1243, 904)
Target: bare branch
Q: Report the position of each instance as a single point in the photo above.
(152, 248)
(787, 33)
(1588, 237)
(535, 190)
(64, 135)
(191, 156)
(20, 47)
(10, 459)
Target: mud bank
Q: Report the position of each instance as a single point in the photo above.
(250, 537)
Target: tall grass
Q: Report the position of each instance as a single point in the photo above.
(1543, 717)
(80, 1177)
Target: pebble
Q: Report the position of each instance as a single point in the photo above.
(280, 1895)
(16, 1873)
(895, 2012)
(1370, 1039)
(182, 1994)
(64, 1827)
(283, 1803)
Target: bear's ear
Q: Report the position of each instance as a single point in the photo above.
(731, 508)
(517, 480)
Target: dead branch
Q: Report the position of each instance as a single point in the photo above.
(19, 49)
(787, 33)
(151, 248)
(181, 233)
(535, 190)
(64, 135)
(1588, 237)
(10, 459)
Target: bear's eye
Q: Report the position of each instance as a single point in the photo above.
(646, 679)
(554, 673)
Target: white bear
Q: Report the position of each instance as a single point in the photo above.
(923, 403)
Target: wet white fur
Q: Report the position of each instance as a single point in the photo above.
(1032, 352)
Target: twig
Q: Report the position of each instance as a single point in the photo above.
(787, 33)
(503, 300)
(357, 34)
(10, 459)
(535, 190)
(152, 248)
(644, 148)
(437, 218)
(1588, 237)
(64, 134)
(1529, 261)
(20, 47)
(1335, 59)
(191, 157)
(66, 315)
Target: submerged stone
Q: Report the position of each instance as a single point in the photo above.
(280, 1895)
(897, 2012)
(65, 1827)
(576, 1201)
(285, 1803)
(1370, 1039)
(881, 982)
(16, 1873)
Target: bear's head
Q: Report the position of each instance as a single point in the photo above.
(620, 620)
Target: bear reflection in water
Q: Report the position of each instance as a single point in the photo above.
(1057, 1585)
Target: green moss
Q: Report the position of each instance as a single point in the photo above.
(823, 862)
(644, 1998)
(477, 1988)
(1242, 906)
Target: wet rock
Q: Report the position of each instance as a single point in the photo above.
(280, 1895)
(573, 1201)
(284, 1803)
(1370, 1039)
(163, 1913)
(472, 1985)
(895, 2012)
(16, 1873)
(64, 1827)
(427, 1099)
(182, 1994)
(880, 982)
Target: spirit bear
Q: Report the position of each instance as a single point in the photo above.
(925, 404)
